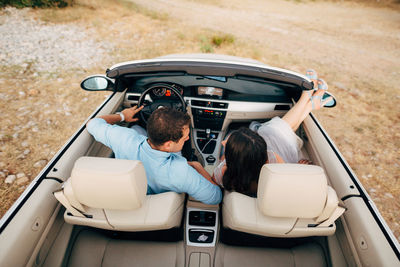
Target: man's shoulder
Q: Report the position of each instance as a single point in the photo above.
(180, 169)
(178, 161)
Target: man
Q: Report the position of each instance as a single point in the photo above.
(166, 169)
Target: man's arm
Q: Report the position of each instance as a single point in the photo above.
(119, 139)
(128, 115)
(200, 169)
(200, 188)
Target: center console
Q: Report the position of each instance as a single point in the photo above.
(201, 220)
(201, 233)
(208, 119)
(201, 227)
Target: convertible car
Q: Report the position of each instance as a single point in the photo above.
(88, 208)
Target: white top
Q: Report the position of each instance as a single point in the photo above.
(280, 140)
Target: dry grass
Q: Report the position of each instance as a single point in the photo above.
(44, 99)
(365, 125)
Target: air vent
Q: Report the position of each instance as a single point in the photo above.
(133, 97)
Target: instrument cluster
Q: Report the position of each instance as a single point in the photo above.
(162, 91)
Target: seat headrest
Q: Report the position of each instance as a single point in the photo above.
(291, 190)
(109, 183)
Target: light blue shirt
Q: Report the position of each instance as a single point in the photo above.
(165, 171)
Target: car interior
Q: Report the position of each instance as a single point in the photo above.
(91, 209)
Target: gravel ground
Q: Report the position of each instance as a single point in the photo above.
(42, 64)
(25, 41)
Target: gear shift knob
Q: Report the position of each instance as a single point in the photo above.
(208, 132)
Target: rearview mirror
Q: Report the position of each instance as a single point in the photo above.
(97, 83)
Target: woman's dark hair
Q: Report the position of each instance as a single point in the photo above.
(166, 124)
(245, 154)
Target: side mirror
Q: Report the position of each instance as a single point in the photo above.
(97, 83)
(330, 103)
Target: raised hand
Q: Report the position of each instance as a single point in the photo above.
(130, 113)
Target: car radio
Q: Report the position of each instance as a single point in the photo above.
(208, 117)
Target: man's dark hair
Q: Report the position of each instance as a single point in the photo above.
(166, 124)
(245, 154)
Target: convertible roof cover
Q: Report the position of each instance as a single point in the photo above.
(209, 65)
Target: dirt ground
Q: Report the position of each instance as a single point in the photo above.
(355, 47)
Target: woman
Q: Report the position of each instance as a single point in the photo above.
(248, 148)
(275, 141)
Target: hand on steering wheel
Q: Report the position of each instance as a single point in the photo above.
(147, 110)
(130, 113)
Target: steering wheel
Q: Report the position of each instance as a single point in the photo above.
(171, 102)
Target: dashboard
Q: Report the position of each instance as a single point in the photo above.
(213, 106)
(238, 96)
(235, 88)
(161, 91)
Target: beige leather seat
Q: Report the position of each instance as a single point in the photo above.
(110, 194)
(293, 200)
